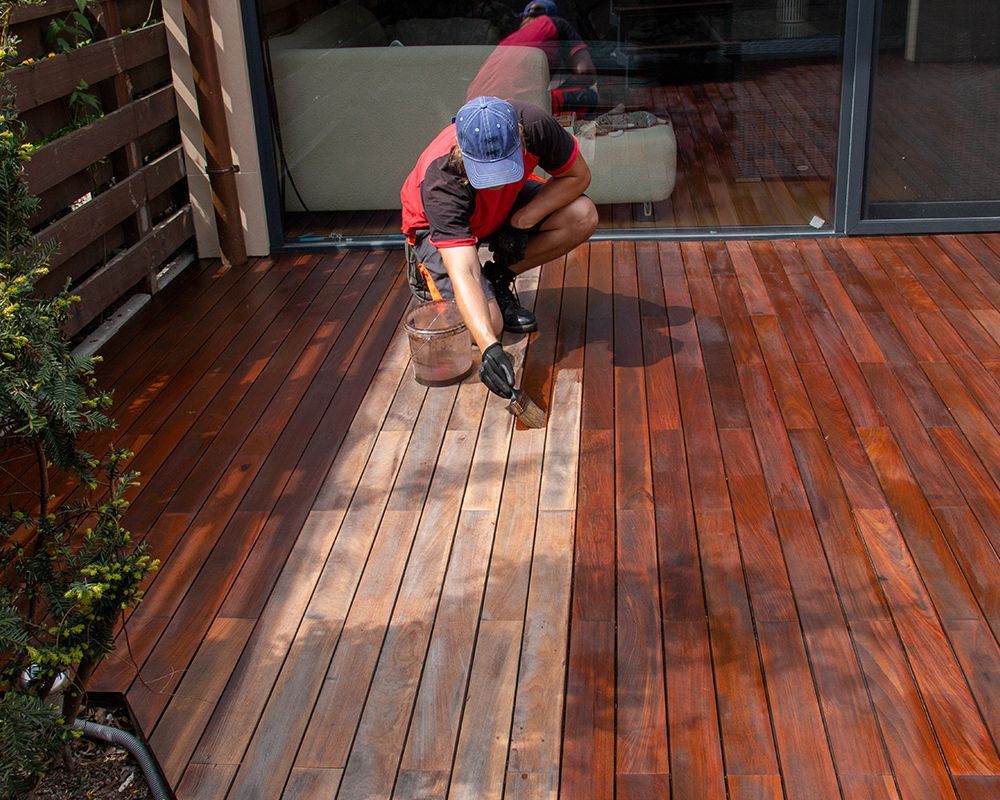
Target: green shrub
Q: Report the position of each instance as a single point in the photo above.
(30, 731)
(72, 31)
(67, 571)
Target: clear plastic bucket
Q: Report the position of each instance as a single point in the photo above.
(440, 344)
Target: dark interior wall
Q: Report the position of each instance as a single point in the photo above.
(281, 16)
(957, 30)
(892, 19)
(593, 18)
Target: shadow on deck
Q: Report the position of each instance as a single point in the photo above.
(754, 551)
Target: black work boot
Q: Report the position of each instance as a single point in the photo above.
(516, 318)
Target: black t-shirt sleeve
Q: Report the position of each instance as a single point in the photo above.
(545, 138)
(569, 37)
(448, 204)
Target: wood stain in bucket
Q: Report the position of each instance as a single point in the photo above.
(440, 344)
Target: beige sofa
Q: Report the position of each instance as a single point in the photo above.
(354, 119)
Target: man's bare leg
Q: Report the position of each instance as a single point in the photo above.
(561, 231)
(496, 318)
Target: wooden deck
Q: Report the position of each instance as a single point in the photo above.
(753, 554)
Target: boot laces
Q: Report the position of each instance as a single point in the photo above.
(505, 287)
(509, 292)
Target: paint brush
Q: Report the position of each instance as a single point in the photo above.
(526, 410)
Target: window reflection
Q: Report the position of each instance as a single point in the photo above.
(935, 107)
(690, 114)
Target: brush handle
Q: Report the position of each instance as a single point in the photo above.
(517, 403)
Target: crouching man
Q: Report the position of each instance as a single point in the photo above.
(474, 184)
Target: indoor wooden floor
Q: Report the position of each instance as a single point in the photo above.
(752, 555)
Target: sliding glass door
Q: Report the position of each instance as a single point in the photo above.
(934, 111)
(697, 117)
(693, 114)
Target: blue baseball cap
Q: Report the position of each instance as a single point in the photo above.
(490, 140)
(537, 8)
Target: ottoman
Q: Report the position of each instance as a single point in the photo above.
(638, 166)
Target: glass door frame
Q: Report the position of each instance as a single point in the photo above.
(862, 18)
(853, 151)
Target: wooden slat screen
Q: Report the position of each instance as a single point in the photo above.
(113, 192)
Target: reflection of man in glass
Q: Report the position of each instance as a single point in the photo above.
(569, 60)
(474, 184)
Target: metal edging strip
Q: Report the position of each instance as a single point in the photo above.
(319, 244)
(888, 227)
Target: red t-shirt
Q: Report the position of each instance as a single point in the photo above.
(438, 197)
(553, 35)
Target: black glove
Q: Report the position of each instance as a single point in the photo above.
(509, 245)
(497, 372)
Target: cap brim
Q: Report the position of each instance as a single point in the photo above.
(490, 174)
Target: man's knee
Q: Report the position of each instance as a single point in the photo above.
(590, 218)
(582, 217)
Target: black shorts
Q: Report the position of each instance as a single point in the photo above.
(425, 269)
(426, 273)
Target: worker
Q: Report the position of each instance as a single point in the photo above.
(507, 74)
(569, 59)
(474, 184)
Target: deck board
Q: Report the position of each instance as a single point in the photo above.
(754, 552)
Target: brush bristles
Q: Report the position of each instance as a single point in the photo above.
(527, 411)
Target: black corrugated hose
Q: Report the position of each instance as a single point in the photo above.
(125, 740)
